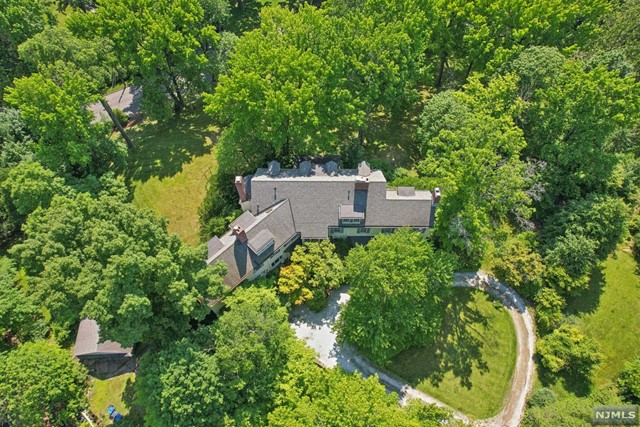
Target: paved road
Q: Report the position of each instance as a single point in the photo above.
(316, 330)
(127, 100)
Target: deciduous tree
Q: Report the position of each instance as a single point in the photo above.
(110, 261)
(568, 350)
(315, 269)
(398, 282)
(40, 384)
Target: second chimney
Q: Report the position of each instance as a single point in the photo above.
(240, 234)
(242, 189)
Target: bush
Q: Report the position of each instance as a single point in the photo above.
(219, 207)
(549, 306)
(629, 382)
(542, 397)
(568, 350)
(520, 266)
(122, 117)
(315, 269)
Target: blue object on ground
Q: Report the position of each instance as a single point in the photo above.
(117, 417)
(111, 409)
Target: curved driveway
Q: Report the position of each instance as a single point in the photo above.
(316, 330)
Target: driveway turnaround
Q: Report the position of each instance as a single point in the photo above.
(316, 329)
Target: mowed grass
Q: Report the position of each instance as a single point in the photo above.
(609, 313)
(117, 391)
(170, 168)
(471, 364)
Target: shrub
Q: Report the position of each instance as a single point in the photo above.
(122, 117)
(629, 382)
(542, 397)
(568, 350)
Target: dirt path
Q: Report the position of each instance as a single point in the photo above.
(316, 330)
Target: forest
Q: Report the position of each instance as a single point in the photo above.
(525, 114)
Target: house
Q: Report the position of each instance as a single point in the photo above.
(312, 202)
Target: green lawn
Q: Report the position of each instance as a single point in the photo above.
(471, 364)
(608, 313)
(169, 169)
(117, 391)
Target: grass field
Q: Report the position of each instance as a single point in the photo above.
(471, 364)
(608, 313)
(116, 391)
(170, 168)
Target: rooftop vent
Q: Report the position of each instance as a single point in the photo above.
(364, 169)
(273, 168)
(304, 168)
(331, 168)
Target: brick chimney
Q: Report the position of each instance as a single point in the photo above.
(242, 190)
(240, 234)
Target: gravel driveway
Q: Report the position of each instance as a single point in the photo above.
(316, 330)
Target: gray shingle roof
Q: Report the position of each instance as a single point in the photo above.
(88, 343)
(240, 258)
(316, 199)
(261, 240)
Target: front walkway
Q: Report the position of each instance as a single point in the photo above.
(316, 330)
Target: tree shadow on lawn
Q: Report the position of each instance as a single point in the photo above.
(588, 300)
(457, 350)
(164, 147)
(579, 385)
(135, 417)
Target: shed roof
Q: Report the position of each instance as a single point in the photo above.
(88, 343)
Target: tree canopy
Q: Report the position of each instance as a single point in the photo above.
(398, 282)
(104, 258)
(41, 385)
(314, 271)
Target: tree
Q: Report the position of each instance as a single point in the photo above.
(181, 386)
(26, 187)
(19, 316)
(253, 340)
(520, 266)
(600, 218)
(55, 110)
(168, 42)
(16, 141)
(339, 399)
(629, 382)
(19, 20)
(315, 269)
(568, 126)
(482, 36)
(105, 259)
(226, 374)
(398, 282)
(549, 306)
(281, 96)
(471, 146)
(309, 395)
(41, 385)
(566, 349)
(618, 30)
